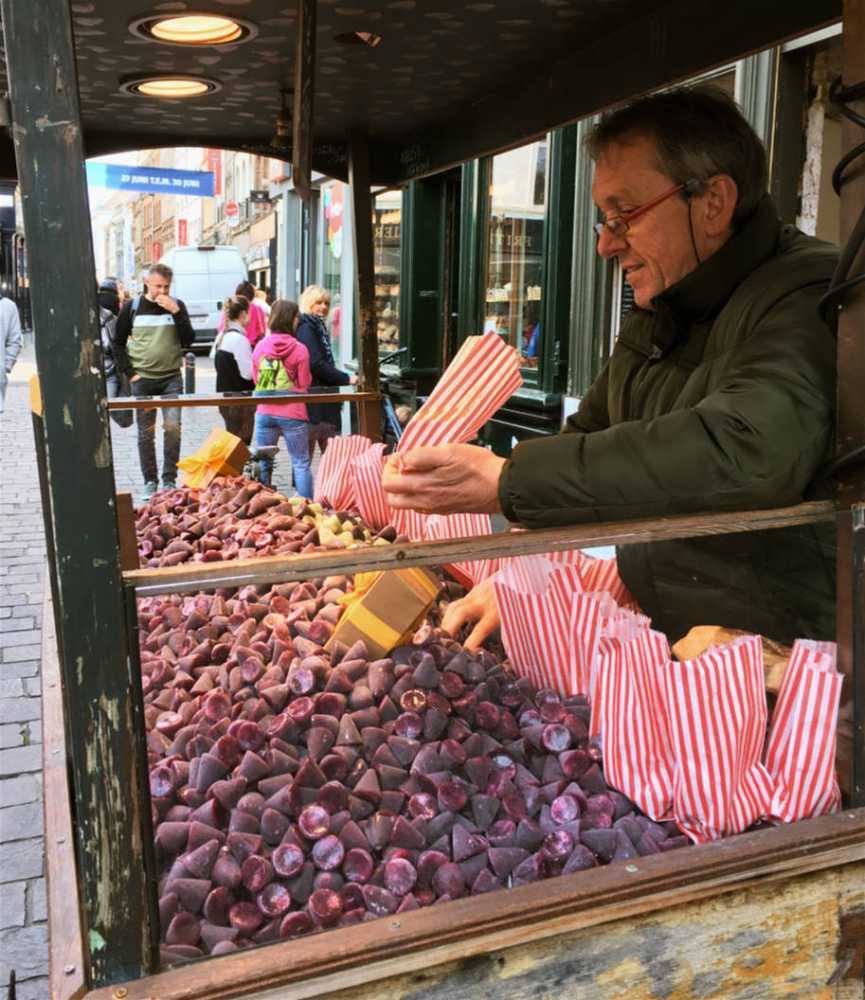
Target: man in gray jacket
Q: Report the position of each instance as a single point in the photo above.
(10, 342)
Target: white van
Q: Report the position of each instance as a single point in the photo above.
(204, 276)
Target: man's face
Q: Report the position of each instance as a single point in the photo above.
(657, 250)
(156, 286)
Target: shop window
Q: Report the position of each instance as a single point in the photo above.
(387, 227)
(333, 205)
(515, 236)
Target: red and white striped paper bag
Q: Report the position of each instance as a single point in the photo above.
(483, 375)
(628, 712)
(442, 528)
(800, 750)
(366, 471)
(603, 575)
(612, 622)
(716, 710)
(334, 484)
(534, 601)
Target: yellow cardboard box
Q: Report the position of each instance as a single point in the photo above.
(385, 608)
(222, 454)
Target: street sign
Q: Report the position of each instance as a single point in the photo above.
(232, 213)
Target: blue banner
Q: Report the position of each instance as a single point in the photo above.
(158, 181)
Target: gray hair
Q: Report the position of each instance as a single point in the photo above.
(698, 132)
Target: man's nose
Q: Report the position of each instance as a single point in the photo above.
(609, 244)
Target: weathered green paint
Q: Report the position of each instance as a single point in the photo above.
(79, 485)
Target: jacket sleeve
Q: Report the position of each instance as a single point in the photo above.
(756, 440)
(183, 324)
(13, 338)
(122, 332)
(243, 356)
(304, 375)
(323, 371)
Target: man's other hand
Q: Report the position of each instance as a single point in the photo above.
(478, 607)
(448, 479)
(167, 302)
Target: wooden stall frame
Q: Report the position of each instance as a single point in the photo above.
(123, 899)
(351, 396)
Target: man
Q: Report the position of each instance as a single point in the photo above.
(718, 395)
(151, 334)
(10, 343)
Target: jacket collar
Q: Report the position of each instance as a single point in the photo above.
(701, 295)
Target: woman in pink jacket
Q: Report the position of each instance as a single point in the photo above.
(280, 363)
(256, 325)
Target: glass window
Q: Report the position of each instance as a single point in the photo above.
(333, 204)
(387, 226)
(514, 267)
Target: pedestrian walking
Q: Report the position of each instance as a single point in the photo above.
(325, 419)
(116, 383)
(152, 332)
(280, 363)
(256, 325)
(233, 362)
(10, 342)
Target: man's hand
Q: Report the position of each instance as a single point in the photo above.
(448, 479)
(478, 606)
(167, 302)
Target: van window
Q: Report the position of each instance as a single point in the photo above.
(195, 287)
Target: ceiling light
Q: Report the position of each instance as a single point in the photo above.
(174, 86)
(193, 28)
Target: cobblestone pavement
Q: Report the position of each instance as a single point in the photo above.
(23, 928)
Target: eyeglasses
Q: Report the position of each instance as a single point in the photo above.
(618, 225)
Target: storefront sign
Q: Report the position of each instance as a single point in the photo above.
(213, 162)
(155, 250)
(122, 177)
(182, 230)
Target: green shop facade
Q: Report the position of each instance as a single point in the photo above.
(504, 244)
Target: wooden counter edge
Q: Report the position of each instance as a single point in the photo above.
(339, 959)
(65, 947)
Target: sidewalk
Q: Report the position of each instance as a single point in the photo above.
(23, 928)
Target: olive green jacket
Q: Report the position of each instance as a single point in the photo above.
(721, 398)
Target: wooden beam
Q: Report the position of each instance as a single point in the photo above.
(304, 98)
(108, 783)
(341, 959)
(851, 412)
(66, 963)
(217, 399)
(369, 415)
(126, 531)
(240, 572)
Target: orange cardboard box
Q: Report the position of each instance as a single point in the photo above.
(222, 454)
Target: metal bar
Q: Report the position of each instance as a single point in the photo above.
(218, 399)
(304, 95)
(857, 793)
(361, 201)
(237, 573)
(850, 432)
(104, 743)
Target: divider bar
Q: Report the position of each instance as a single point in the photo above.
(241, 572)
(218, 399)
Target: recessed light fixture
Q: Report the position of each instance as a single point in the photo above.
(174, 86)
(193, 28)
(369, 38)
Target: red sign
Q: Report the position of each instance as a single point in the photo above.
(181, 232)
(232, 208)
(156, 250)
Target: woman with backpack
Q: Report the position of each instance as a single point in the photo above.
(280, 363)
(232, 359)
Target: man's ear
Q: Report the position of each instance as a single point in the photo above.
(717, 202)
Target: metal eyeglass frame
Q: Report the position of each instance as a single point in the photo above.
(618, 225)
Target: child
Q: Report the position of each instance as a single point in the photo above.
(280, 363)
